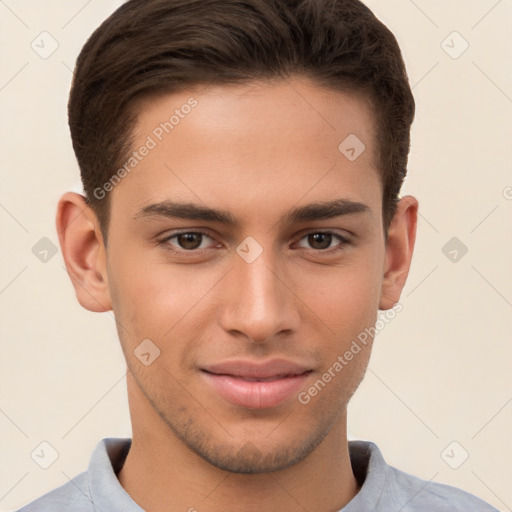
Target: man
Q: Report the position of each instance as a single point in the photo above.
(242, 162)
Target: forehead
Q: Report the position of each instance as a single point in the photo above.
(301, 106)
(265, 141)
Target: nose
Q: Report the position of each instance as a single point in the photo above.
(258, 302)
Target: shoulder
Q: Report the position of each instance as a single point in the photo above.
(385, 488)
(92, 488)
(424, 495)
(75, 491)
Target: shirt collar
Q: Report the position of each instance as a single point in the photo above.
(106, 491)
(108, 457)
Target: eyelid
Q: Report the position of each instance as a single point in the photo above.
(184, 231)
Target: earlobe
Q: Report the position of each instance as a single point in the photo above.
(84, 253)
(399, 250)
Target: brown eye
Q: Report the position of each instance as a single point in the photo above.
(323, 242)
(191, 244)
(320, 241)
(189, 241)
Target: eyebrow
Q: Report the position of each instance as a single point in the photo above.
(311, 212)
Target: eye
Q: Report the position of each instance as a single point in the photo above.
(322, 241)
(188, 241)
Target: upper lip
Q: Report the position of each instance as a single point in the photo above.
(251, 370)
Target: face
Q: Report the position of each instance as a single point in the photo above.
(249, 249)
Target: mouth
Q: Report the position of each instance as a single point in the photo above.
(256, 386)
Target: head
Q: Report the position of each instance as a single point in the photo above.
(241, 163)
(147, 48)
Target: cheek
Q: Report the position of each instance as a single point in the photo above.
(157, 301)
(146, 297)
(346, 301)
(345, 298)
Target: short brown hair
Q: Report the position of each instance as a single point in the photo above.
(149, 47)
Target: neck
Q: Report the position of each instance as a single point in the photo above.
(162, 474)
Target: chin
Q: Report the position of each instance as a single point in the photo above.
(264, 453)
(250, 459)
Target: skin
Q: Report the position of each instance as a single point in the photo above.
(256, 152)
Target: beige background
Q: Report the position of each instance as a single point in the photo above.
(440, 372)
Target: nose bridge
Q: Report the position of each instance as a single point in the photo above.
(260, 304)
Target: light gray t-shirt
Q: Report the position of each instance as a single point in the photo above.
(384, 488)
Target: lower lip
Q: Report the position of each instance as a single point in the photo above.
(256, 394)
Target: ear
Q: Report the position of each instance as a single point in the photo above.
(84, 253)
(399, 249)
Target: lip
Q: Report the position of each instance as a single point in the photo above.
(256, 386)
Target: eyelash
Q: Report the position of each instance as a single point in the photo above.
(342, 242)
